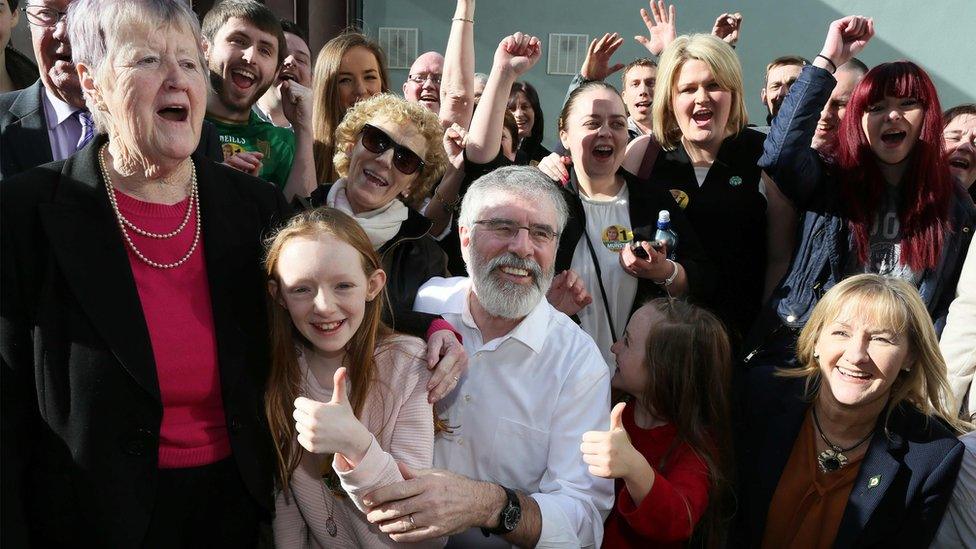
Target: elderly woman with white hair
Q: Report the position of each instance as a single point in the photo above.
(134, 339)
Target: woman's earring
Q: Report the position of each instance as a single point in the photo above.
(816, 356)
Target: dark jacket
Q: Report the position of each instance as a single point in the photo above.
(20, 68)
(824, 241)
(24, 143)
(410, 258)
(914, 465)
(81, 406)
(644, 203)
(530, 152)
(728, 213)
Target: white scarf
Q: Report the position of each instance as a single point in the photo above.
(380, 224)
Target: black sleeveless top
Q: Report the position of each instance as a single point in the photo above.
(728, 213)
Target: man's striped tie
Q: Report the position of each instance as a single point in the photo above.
(87, 128)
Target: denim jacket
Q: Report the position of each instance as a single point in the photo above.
(824, 239)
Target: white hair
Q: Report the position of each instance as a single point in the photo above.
(522, 182)
(93, 26)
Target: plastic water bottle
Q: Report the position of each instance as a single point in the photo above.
(665, 234)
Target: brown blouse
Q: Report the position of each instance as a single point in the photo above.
(808, 504)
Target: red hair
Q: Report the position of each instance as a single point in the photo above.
(927, 188)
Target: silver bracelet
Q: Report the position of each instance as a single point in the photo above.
(669, 280)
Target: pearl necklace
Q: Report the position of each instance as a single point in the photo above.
(123, 222)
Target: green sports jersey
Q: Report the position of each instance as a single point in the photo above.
(276, 144)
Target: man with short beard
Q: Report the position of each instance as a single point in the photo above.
(535, 383)
(245, 47)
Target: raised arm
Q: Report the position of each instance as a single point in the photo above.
(457, 81)
(727, 27)
(596, 65)
(787, 156)
(296, 102)
(661, 26)
(515, 55)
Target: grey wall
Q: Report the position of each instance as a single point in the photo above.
(938, 34)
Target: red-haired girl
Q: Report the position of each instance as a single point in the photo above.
(885, 203)
(347, 398)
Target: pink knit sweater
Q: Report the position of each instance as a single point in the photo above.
(397, 413)
(176, 305)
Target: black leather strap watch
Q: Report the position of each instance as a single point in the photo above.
(510, 516)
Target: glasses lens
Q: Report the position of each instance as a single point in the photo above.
(41, 16)
(406, 160)
(375, 140)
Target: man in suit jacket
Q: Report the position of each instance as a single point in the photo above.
(42, 123)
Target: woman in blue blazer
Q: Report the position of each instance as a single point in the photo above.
(855, 448)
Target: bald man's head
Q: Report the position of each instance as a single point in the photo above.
(848, 76)
(423, 84)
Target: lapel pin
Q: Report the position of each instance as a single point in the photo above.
(735, 181)
(874, 481)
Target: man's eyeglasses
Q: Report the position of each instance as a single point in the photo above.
(423, 77)
(378, 141)
(42, 16)
(507, 229)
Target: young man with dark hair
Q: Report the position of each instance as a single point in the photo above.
(297, 68)
(780, 75)
(637, 91)
(245, 49)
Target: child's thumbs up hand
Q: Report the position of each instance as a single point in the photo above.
(609, 454)
(617, 416)
(331, 427)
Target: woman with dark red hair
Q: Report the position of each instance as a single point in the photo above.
(884, 203)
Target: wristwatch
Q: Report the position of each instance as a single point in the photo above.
(510, 516)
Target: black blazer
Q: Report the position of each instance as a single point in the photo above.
(81, 407)
(24, 143)
(914, 464)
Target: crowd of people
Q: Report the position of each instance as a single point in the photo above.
(253, 298)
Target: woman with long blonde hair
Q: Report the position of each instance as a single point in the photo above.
(348, 68)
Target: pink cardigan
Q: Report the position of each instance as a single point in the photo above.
(396, 411)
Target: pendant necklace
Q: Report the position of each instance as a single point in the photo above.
(330, 524)
(833, 457)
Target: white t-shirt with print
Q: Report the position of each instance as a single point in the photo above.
(609, 229)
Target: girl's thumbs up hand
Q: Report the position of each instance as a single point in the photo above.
(331, 427)
(610, 454)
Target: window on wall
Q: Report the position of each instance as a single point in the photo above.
(567, 52)
(400, 46)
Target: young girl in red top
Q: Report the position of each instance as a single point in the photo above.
(667, 444)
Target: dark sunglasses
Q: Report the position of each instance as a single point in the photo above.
(378, 141)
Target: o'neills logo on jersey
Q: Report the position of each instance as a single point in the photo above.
(232, 139)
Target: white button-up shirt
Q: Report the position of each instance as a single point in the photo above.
(519, 412)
